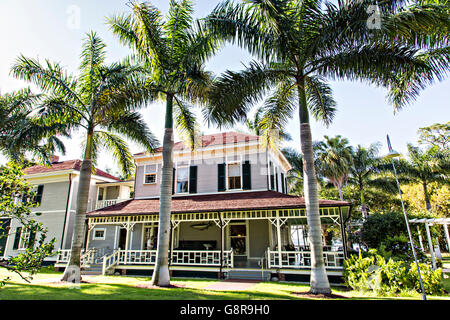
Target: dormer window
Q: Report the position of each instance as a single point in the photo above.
(150, 174)
(234, 176)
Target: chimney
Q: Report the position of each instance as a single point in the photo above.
(54, 159)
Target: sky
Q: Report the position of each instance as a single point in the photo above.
(55, 29)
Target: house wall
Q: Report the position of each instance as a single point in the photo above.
(52, 209)
(259, 237)
(207, 174)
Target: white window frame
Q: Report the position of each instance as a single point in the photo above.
(226, 173)
(94, 237)
(187, 166)
(155, 173)
(24, 238)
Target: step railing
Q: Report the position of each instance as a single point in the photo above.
(86, 257)
(302, 259)
(110, 261)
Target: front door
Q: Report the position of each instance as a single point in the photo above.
(122, 238)
(238, 238)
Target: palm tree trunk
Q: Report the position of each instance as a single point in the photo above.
(72, 271)
(319, 279)
(363, 200)
(427, 196)
(161, 276)
(341, 196)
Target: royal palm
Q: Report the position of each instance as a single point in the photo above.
(301, 44)
(172, 50)
(101, 101)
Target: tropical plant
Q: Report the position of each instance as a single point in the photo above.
(12, 188)
(364, 174)
(302, 43)
(437, 134)
(102, 100)
(172, 50)
(424, 166)
(334, 161)
(21, 132)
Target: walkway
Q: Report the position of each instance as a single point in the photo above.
(233, 285)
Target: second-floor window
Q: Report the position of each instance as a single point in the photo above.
(150, 174)
(234, 176)
(182, 179)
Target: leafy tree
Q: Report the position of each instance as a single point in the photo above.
(364, 173)
(21, 132)
(172, 50)
(101, 101)
(334, 158)
(439, 195)
(423, 167)
(302, 43)
(14, 187)
(437, 134)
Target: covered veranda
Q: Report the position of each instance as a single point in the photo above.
(243, 231)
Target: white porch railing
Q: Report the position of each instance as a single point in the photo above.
(302, 259)
(179, 257)
(106, 203)
(87, 257)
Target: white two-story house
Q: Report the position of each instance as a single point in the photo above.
(57, 187)
(231, 214)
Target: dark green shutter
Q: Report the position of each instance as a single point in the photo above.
(4, 227)
(221, 177)
(272, 177)
(31, 239)
(246, 176)
(286, 184)
(193, 179)
(17, 238)
(276, 181)
(173, 181)
(38, 198)
(283, 187)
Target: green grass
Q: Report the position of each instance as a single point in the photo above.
(125, 288)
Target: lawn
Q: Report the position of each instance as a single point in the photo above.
(126, 288)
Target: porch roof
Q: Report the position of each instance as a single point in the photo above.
(257, 200)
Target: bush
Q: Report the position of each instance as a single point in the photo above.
(373, 272)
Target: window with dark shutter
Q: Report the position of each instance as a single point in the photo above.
(173, 181)
(272, 176)
(283, 187)
(193, 179)
(221, 177)
(246, 176)
(38, 197)
(17, 238)
(31, 239)
(276, 180)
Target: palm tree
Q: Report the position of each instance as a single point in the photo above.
(172, 50)
(273, 135)
(335, 160)
(300, 44)
(101, 101)
(424, 167)
(365, 173)
(21, 132)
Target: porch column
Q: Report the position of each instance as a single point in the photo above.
(430, 245)
(420, 238)
(279, 239)
(89, 228)
(221, 242)
(447, 236)
(343, 234)
(127, 241)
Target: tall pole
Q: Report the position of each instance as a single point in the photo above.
(424, 297)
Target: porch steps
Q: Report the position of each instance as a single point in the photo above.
(93, 269)
(249, 275)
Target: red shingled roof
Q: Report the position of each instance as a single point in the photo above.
(65, 165)
(214, 139)
(213, 202)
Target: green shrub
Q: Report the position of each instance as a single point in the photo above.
(372, 272)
